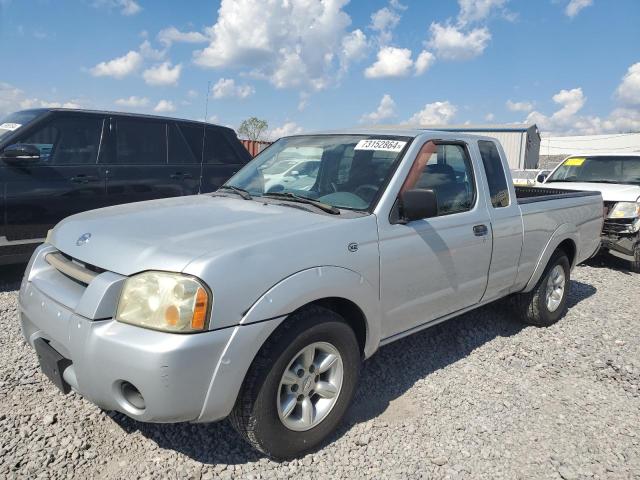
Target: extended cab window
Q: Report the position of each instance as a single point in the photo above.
(445, 169)
(495, 174)
(140, 142)
(67, 140)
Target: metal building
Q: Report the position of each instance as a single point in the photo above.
(521, 142)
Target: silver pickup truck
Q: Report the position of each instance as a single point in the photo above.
(261, 305)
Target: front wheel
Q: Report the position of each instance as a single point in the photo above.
(547, 302)
(635, 263)
(300, 384)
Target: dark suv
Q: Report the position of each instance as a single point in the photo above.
(57, 162)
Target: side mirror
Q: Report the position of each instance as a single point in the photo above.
(418, 204)
(294, 173)
(20, 153)
(542, 176)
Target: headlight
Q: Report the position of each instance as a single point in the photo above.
(170, 302)
(625, 210)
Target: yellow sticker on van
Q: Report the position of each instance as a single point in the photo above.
(574, 162)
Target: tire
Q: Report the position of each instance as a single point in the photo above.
(635, 263)
(259, 407)
(533, 307)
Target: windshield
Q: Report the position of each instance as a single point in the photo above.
(344, 171)
(599, 169)
(16, 120)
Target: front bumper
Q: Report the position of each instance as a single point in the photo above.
(621, 236)
(180, 377)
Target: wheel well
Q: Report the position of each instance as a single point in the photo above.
(569, 248)
(350, 312)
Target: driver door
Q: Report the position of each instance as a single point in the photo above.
(436, 266)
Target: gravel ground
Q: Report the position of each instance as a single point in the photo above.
(477, 397)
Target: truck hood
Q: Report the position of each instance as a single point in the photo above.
(168, 234)
(611, 192)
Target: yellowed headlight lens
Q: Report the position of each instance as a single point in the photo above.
(170, 302)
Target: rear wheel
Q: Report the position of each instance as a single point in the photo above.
(547, 302)
(300, 384)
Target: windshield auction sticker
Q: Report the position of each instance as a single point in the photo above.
(384, 145)
(574, 162)
(10, 126)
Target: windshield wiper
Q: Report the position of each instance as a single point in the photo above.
(237, 190)
(600, 181)
(292, 197)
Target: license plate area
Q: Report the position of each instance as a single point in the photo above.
(52, 363)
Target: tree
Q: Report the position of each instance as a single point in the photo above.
(253, 128)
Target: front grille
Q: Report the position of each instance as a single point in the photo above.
(617, 226)
(76, 270)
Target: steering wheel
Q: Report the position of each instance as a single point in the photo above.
(366, 191)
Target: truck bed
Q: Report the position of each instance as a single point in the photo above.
(547, 211)
(540, 194)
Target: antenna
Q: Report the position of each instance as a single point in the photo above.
(204, 125)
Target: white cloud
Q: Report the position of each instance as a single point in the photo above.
(162, 74)
(477, 10)
(126, 7)
(437, 113)
(391, 62)
(147, 51)
(624, 120)
(172, 35)
(629, 89)
(489, 117)
(424, 62)
(119, 67)
(12, 99)
(293, 44)
(289, 128)
(354, 46)
(571, 101)
(192, 93)
(451, 43)
(133, 102)
(227, 88)
(566, 120)
(164, 106)
(574, 7)
(519, 106)
(38, 103)
(386, 110)
(384, 21)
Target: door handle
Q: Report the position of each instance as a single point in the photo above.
(83, 178)
(180, 176)
(480, 230)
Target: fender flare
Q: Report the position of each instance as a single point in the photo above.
(273, 308)
(317, 283)
(564, 232)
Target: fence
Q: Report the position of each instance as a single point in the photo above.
(254, 147)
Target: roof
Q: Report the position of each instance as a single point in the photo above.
(128, 114)
(590, 144)
(394, 130)
(514, 127)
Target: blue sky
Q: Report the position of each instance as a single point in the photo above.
(572, 66)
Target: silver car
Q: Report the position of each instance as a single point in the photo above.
(261, 305)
